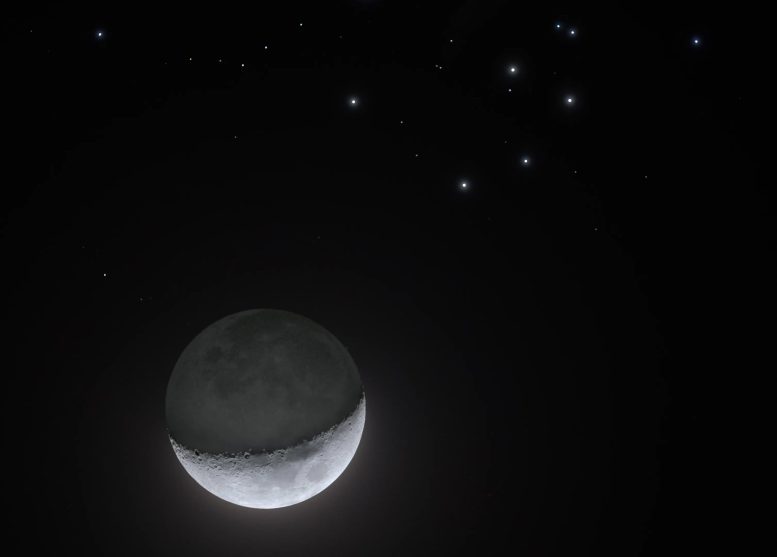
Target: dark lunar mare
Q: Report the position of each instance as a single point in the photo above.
(260, 380)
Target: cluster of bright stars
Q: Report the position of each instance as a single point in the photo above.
(512, 71)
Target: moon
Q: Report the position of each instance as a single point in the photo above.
(265, 408)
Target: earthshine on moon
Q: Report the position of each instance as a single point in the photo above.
(265, 408)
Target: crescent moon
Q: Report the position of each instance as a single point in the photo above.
(265, 409)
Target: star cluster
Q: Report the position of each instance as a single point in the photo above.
(453, 58)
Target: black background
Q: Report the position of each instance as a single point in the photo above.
(552, 357)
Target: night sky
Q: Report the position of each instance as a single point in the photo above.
(540, 231)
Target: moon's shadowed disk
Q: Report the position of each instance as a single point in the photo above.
(265, 408)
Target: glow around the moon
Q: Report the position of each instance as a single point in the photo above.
(269, 480)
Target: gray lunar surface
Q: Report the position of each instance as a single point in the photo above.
(265, 408)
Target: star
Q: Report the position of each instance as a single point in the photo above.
(524, 161)
(557, 26)
(696, 41)
(464, 185)
(572, 32)
(569, 100)
(353, 101)
(512, 70)
(99, 34)
(105, 274)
